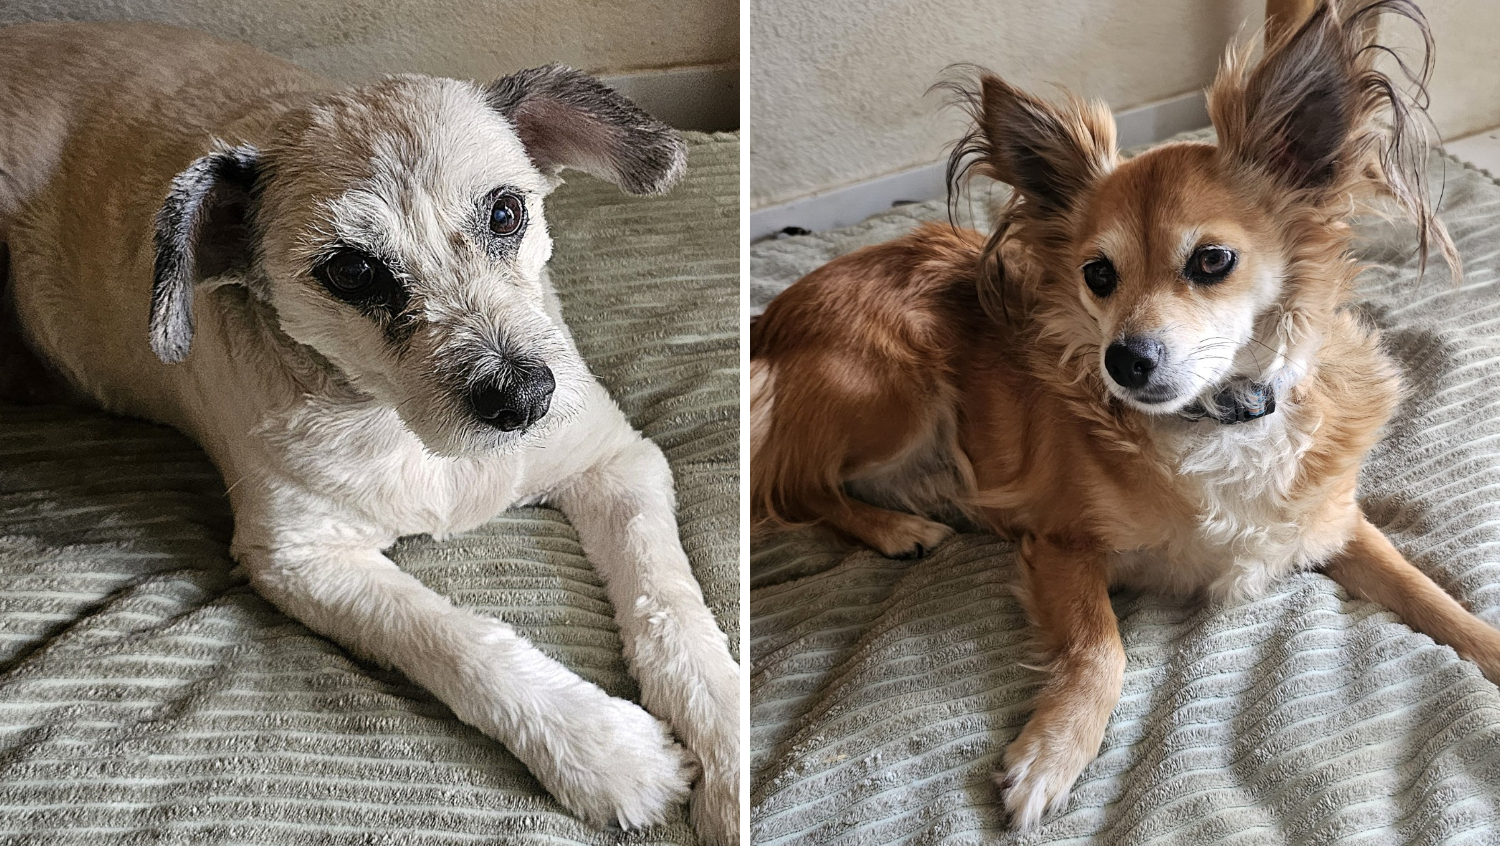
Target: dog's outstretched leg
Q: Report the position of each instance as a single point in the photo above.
(605, 759)
(1371, 568)
(623, 509)
(1066, 593)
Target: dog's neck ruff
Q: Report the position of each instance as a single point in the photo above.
(1239, 401)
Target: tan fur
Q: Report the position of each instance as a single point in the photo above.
(859, 363)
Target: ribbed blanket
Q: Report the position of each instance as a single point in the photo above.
(884, 692)
(149, 695)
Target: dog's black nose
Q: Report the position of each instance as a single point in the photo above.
(1132, 361)
(514, 399)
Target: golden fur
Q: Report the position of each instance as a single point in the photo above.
(949, 368)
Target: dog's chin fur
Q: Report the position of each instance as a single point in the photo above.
(949, 368)
(1179, 400)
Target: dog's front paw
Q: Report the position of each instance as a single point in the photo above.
(614, 764)
(1040, 769)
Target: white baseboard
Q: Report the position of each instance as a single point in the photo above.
(705, 99)
(851, 204)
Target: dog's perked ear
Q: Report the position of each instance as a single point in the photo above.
(1295, 112)
(202, 231)
(1050, 153)
(1319, 117)
(569, 119)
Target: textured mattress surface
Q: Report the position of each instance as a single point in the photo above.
(884, 692)
(148, 695)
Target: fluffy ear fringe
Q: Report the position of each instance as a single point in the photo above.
(1050, 153)
(1317, 114)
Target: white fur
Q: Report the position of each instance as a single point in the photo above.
(1240, 477)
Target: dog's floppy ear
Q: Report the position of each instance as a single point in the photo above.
(202, 231)
(1050, 153)
(569, 119)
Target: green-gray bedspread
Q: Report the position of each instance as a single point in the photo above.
(148, 695)
(884, 692)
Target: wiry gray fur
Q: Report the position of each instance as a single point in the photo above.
(221, 181)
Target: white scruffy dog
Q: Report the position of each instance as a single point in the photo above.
(348, 308)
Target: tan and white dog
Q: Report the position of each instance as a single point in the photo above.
(340, 293)
(1148, 374)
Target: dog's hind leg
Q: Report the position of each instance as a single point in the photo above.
(1371, 568)
(894, 534)
(605, 759)
(852, 381)
(623, 508)
(1065, 590)
(837, 420)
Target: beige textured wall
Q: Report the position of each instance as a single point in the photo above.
(1465, 85)
(836, 87)
(468, 39)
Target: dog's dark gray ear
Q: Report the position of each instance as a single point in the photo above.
(569, 119)
(1293, 113)
(202, 231)
(1049, 152)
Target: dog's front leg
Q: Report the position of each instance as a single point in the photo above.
(623, 510)
(1065, 588)
(604, 758)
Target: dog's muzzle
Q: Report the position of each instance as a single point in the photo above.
(514, 399)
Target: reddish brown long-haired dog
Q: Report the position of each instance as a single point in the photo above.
(1147, 375)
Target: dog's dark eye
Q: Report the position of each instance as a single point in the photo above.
(354, 276)
(1100, 276)
(1208, 265)
(507, 216)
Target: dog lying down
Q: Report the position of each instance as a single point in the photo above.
(340, 293)
(1147, 375)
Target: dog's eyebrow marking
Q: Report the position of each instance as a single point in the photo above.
(1113, 244)
(1191, 239)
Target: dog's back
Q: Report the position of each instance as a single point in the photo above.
(851, 380)
(58, 80)
(146, 99)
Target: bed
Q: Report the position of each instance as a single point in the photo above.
(148, 695)
(884, 692)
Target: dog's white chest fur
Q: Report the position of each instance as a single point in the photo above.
(386, 476)
(1240, 480)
